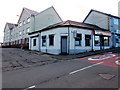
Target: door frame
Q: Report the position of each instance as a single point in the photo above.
(66, 45)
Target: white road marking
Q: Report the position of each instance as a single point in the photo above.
(117, 57)
(32, 86)
(85, 68)
(29, 87)
(117, 62)
(102, 57)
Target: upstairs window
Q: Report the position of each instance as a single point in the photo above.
(51, 40)
(20, 24)
(87, 40)
(20, 33)
(28, 29)
(43, 40)
(78, 40)
(23, 22)
(28, 20)
(115, 21)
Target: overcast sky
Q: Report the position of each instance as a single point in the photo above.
(67, 9)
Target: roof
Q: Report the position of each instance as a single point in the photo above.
(72, 24)
(11, 25)
(100, 13)
(31, 11)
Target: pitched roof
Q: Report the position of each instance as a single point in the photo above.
(76, 24)
(92, 10)
(31, 11)
(11, 25)
(72, 24)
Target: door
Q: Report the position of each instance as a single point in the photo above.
(63, 44)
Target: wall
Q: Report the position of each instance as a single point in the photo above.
(46, 18)
(82, 48)
(98, 19)
(56, 49)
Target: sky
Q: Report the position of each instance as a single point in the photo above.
(75, 10)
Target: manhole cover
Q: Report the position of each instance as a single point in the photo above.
(107, 76)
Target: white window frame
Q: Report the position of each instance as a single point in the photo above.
(28, 19)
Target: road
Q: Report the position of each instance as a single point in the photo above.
(98, 71)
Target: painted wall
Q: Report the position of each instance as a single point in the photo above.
(82, 48)
(98, 19)
(63, 31)
(7, 34)
(46, 18)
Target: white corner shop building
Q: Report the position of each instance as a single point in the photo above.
(69, 37)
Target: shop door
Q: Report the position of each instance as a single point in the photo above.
(63, 44)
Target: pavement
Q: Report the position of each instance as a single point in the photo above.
(30, 69)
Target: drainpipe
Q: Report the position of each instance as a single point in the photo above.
(39, 42)
(68, 39)
(92, 39)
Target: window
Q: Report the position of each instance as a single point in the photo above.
(43, 40)
(20, 24)
(78, 40)
(27, 40)
(115, 21)
(97, 41)
(28, 20)
(34, 42)
(23, 22)
(106, 41)
(51, 40)
(87, 40)
(28, 30)
(20, 33)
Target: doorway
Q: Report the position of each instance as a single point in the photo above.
(63, 44)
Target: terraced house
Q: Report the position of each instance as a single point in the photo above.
(46, 32)
(106, 21)
(16, 35)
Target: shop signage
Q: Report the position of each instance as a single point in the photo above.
(103, 33)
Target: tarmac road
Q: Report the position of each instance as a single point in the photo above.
(77, 73)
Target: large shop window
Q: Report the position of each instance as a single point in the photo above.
(97, 40)
(78, 40)
(87, 40)
(51, 40)
(43, 40)
(34, 42)
(106, 41)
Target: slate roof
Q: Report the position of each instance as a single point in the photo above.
(72, 24)
(31, 11)
(11, 25)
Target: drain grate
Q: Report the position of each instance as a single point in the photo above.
(107, 76)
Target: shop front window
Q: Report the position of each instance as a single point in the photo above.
(87, 40)
(97, 40)
(78, 40)
(106, 41)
